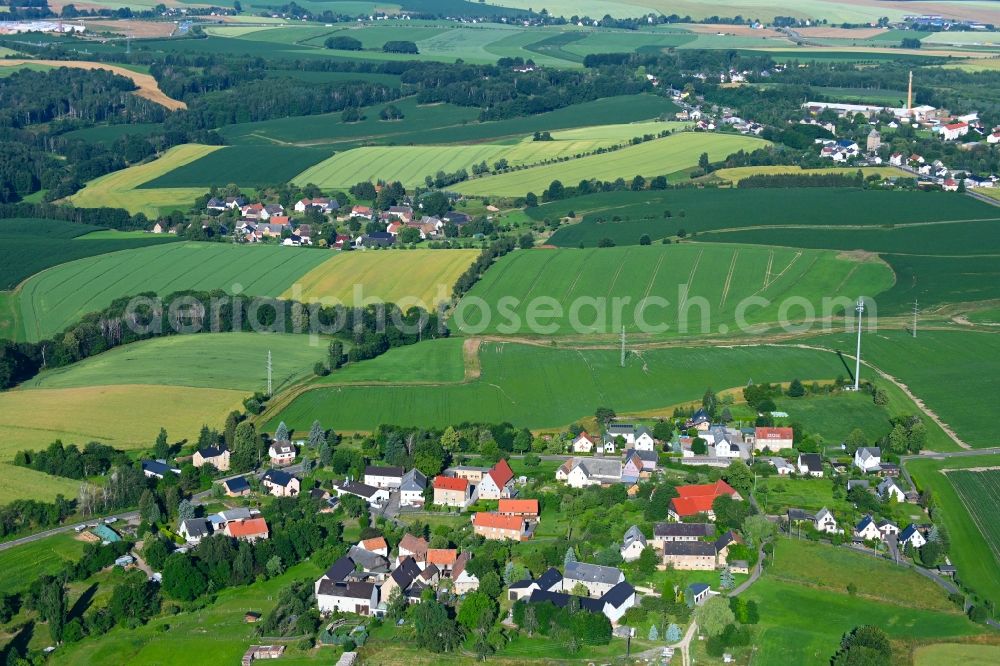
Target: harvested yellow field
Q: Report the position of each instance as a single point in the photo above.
(739, 173)
(148, 88)
(119, 189)
(126, 417)
(404, 277)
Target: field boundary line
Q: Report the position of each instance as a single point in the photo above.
(729, 279)
(614, 280)
(847, 277)
(694, 268)
(784, 270)
(767, 273)
(652, 280)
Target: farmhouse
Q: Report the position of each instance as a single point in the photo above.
(697, 499)
(411, 488)
(494, 527)
(549, 581)
(773, 439)
(280, 484)
(346, 597)
(383, 477)
(613, 604)
(596, 578)
(700, 420)
(377, 545)
(868, 458)
(281, 453)
(646, 460)
(216, 456)
(689, 555)
(633, 543)
(453, 491)
(724, 543)
(672, 532)
(526, 508)
(250, 529)
(463, 581)
(582, 472)
(497, 483)
(637, 437)
(811, 464)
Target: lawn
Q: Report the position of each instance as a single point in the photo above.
(23, 564)
(120, 189)
(233, 361)
(701, 290)
(35, 418)
(246, 166)
(54, 299)
(24, 483)
(542, 387)
(651, 158)
(951, 371)
(970, 552)
(216, 634)
(409, 278)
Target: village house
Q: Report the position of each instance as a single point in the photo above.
(463, 581)
(609, 444)
(401, 578)
(236, 487)
(825, 522)
(549, 581)
(773, 439)
(867, 530)
(346, 596)
(383, 477)
(497, 483)
(250, 529)
(453, 491)
(473, 475)
(194, 530)
(281, 454)
(887, 528)
(525, 508)
(664, 533)
(376, 497)
(890, 490)
(637, 437)
(690, 555)
(216, 456)
(645, 461)
(912, 537)
(954, 131)
(633, 543)
(411, 488)
(699, 420)
(811, 464)
(377, 545)
(583, 443)
(280, 484)
(583, 472)
(494, 527)
(415, 547)
(613, 604)
(781, 466)
(724, 543)
(157, 469)
(596, 578)
(868, 458)
(697, 499)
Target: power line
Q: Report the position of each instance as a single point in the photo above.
(623, 347)
(857, 361)
(915, 311)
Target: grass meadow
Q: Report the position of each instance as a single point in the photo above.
(120, 189)
(405, 277)
(439, 361)
(956, 654)
(24, 483)
(652, 158)
(22, 565)
(720, 277)
(971, 553)
(540, 387)
(51, 301)
(952, 372)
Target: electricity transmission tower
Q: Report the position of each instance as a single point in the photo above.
(915, 312)
(623, 348)
(860, 309)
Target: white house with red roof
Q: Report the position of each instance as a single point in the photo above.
(584, 443)
(954, 131)
(497, 483)
(362, 211)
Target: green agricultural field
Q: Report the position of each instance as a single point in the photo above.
(28, 246)
(119, 189)
(951, 371)
(24, 564)
(956, 654)
(247, 166)
(980, 494)
(527, 385)
(408, 277)
(974, 557)
(574, 290)
(754, 214)
(33, 419)
(736, 174)
(51, 301)
(23, 483)
(436, 362)
(652, 158)
(940, 281)
(234, 361)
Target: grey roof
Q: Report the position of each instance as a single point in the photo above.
(522, 584)
(698, 588)
(368, 560)
(340, 569)
(156, 467)
(823, 513)
(197, 527)
(405, 573)
(239, 513)
(887, 483)
(375, 470)
(237, 485)
(351, 590)
(283, 447)
(644, 455)
(593, 573)
(689, 548)
(800, 514)
(778, 462)
(812, 461)
(212, 451)
(643, 430)
(359, 489)
(621, 428)
(414, 480)
(726, 539)
(684, 530)
(562, 600)
(599, 467)
(634, 534)
(869, 452)
(858, 483)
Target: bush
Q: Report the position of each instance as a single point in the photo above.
(343, 43)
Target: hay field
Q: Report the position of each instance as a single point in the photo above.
(147, 86)
(34, 418)
(652, 158)
(119, 189)
(53, 299)
(405, 277)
